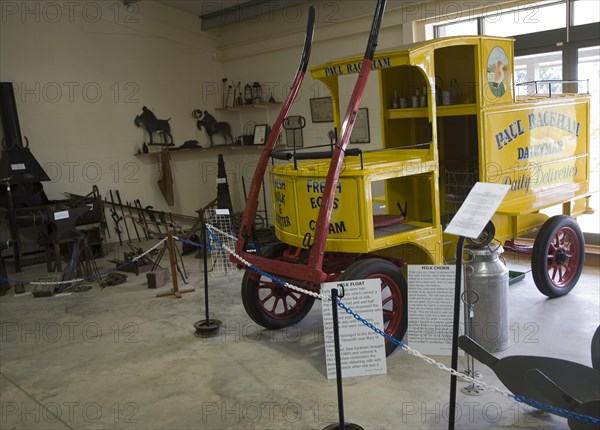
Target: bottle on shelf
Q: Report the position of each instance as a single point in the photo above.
(454, 91)
(438, 91)
(395, 101)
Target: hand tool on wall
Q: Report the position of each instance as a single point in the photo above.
(165, 181)
(223, 102)
(150, 212)
(98, 198)
(118, 194)
(115, 217)
(229, 94)
(141, 219)
(163, 219)
(134, 223)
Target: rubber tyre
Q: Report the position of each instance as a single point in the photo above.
(596, 349)
(393, 294)
(558, 256)
(269, 304)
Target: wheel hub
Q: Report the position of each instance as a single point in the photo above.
(279, 292)
(561, 257)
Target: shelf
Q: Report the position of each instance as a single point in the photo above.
(257, 148)
(457, 110)
(249, 107)
(407, 113)
(451, 110)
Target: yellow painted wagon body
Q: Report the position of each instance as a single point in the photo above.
(470, 127)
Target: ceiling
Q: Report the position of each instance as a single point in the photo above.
(223, 12)
(202, 7)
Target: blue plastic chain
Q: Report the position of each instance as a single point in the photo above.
(538, 405)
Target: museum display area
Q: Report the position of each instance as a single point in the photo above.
(299, 215)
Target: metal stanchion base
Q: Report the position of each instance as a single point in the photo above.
(347, 426)
(473, 390)
(206, 328)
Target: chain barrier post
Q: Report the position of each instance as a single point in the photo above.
(207, 326)
(342, 425)
(455, 323)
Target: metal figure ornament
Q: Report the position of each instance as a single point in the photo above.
(212, 126)
(152, 125)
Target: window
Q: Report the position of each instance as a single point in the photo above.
(524, 21)
(588, 67)
(463, 28)
(546, 66)
(586, 11)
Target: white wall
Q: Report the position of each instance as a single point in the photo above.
(83, 71)
(273, 60)
(157, 56)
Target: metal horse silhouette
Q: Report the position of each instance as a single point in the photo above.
(152, 124)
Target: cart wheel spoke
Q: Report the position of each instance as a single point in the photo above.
(266, 299)
(275, 303)
(387, 300)
(388, 316)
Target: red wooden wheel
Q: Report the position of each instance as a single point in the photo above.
(393, 294)
(270, 304)
(558, 256)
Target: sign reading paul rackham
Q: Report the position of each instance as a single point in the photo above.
(354, 67)
(534, 120)
(533, 149)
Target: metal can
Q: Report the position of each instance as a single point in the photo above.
(488, 276)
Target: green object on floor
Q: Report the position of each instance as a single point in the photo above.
(514, 277)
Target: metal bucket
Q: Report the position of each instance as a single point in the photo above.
(487, 276)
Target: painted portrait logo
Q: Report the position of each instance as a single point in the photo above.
(498, 71)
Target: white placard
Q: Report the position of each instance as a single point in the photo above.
(221, 181)
(222, 211)
(362, 350)
(477, 209)
(18, 166)
(431, 308)
(61, 215)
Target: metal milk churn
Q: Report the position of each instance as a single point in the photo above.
(487, 276)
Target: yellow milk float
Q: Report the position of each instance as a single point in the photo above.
(449, 118)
